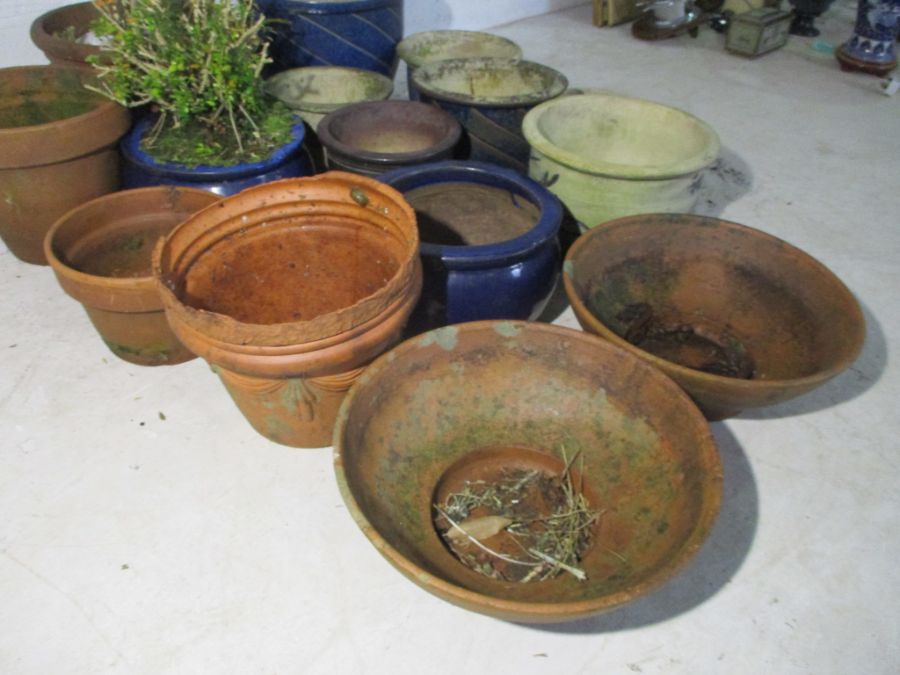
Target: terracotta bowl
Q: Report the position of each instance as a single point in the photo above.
(738, 318)
(489, 396)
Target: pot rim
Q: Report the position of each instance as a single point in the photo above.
(559, 83)
(67, 138)
(698, 376)
(336, 6)
(533, 612)
(130, 148)
(408, 48)
(453, 132)
(531, 129)
(385, 90)
(483, 173)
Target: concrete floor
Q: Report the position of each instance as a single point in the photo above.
(146, 528)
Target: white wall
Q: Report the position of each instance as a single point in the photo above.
(16, 17)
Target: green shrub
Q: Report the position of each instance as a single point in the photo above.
(198, 64)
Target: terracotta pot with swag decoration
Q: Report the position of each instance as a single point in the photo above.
(289, 290)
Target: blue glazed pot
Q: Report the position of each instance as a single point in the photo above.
(140, 169)
(490, 97)
(511, 279)
(355, 33)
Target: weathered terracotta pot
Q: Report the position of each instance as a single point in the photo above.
(288, 289)
(56, 33)
(738, 318)
(607, 156)
(315, 91)
(57, 150)
(490, 97)
(372, 138)
(101, 254)
(464, 399)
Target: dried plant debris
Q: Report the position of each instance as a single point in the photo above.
(528, 525)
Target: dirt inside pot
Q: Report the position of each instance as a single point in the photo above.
(124, 253)
(289, 273)
(515, 514)
(470, 214)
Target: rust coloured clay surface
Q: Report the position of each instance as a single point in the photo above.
(57, 150)
(738, 318)
(288, 290)
(101, 254)
(464, 402)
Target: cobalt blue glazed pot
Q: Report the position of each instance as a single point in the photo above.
(488, 242)
(355, 33)
(139, 169)
(490, 97)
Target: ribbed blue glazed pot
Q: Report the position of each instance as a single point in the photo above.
(356, 33)
(140, 169)
(512, 279)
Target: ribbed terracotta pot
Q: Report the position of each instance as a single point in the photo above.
(288, 289)
(101, 254)
(57, 150)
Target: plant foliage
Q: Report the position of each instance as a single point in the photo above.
(198, 63)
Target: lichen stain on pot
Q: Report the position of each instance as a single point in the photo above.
(445, 338)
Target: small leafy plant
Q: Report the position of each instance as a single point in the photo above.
(198, 64)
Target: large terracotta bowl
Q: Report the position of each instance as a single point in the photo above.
(740, 319)
(441, 405)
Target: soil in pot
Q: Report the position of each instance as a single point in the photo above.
(470, 214)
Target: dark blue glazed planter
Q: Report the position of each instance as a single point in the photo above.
(140, 169)
(356, 33)
(490, 97)
(512, 279)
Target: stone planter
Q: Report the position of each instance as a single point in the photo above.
(488, 242)
(372, 138)
(57, 150)
(607, 156)
(490, 97)
(288, 289)
(101, 255)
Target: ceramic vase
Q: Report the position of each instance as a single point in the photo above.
(871, 48)
(512, 276)
(805, 14)
(288, 290)
(57, 150)
(607, 156)
(101, 255)
(355, 33)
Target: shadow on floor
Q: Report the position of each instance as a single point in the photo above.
(726, 181)
(717, 562)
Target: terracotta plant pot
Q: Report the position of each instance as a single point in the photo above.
(56, 33)
(317, 90)
(738, 318)
(140, 169)
(607, 156)
(481, 399)
(441, 45)
(101, 254)
(488, 242)
(288, 289)
(490, 97)
(372, 138)
(57, 150)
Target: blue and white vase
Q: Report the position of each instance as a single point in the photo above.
(871, 49)
(355, 33)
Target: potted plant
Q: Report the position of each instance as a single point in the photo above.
(197, 65)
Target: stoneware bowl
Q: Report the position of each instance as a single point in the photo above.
(738, 318)
(441, 45)
(450, 402)
(607, 156)
(489, 97)
(372, 138)
(317, 90)
(488, 241)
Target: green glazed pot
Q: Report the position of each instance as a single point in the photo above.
(607, 156)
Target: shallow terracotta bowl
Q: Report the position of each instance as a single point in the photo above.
(442, 404)
(739, 318)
